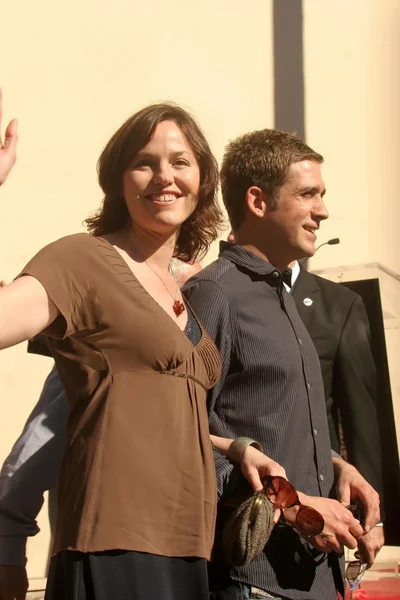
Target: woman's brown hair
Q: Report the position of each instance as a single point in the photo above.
(202, 227)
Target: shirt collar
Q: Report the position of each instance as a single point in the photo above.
(295, 272)
(252, 262)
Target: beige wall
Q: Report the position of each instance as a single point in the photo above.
(72, 72)
(352, 76)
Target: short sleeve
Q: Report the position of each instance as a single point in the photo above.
(62, 268)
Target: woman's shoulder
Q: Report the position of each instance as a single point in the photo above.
(76, 244)
(74, 250)
(81, 240)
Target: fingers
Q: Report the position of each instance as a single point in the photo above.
(366, 554)
(277, 516)
(253, 478)
(255, 466)
(8, 148)
(370, 544)
(352, 486)
(371, 504)
(11, 136)
(341, 529)
(1, 113)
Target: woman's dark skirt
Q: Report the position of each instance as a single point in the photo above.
(125, 576)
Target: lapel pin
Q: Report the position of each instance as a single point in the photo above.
(307, 301)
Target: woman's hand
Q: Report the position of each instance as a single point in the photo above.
(8, 147)
(255, 466)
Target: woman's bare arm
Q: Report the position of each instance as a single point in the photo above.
(25, 310)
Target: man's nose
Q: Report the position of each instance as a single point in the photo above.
(320, 211)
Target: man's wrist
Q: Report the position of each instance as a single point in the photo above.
(13, 550)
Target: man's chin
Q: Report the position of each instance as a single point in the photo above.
(305, 252)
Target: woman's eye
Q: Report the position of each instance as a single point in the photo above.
(181, 162)
(141, 163)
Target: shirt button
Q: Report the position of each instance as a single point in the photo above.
(315, 432)
(321, 477)
(300, 342)
(309, 386)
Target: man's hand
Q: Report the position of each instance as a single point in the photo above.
(8, 147)
(370, 544)
(351, 486)
(13, 582)
(341, 528)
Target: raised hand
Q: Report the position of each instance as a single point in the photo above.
(8, 146)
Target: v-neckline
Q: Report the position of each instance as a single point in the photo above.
(157, 304)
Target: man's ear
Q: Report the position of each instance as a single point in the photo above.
(256, 201)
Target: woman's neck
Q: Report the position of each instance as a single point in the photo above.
(144, 245)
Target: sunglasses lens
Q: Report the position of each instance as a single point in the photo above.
(354, 573)
(280, 492)
(353, 570)
(309, 522)
(355, 511)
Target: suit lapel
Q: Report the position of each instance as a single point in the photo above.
(306, 294)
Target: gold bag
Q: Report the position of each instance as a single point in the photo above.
(247, 530)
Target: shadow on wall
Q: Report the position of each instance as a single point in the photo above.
(288, 66)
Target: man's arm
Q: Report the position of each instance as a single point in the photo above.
(354, 392)
(31, 469)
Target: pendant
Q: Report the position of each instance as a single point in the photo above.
(178, 307)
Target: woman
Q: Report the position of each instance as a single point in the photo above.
(137, 489)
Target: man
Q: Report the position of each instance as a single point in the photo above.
(337, 322)
(271, 386)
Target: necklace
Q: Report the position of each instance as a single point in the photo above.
(178, 307)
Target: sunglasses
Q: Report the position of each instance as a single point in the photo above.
(355, 569)
(355, 572)
(283, 495)
(358, 512)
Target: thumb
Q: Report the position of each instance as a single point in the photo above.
(3, 283)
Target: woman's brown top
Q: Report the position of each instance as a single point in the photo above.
(138, 473)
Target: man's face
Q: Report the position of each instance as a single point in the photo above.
(293, 225)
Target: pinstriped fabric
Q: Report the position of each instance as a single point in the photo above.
(271, 390)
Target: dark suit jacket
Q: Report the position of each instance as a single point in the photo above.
(337, 322)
